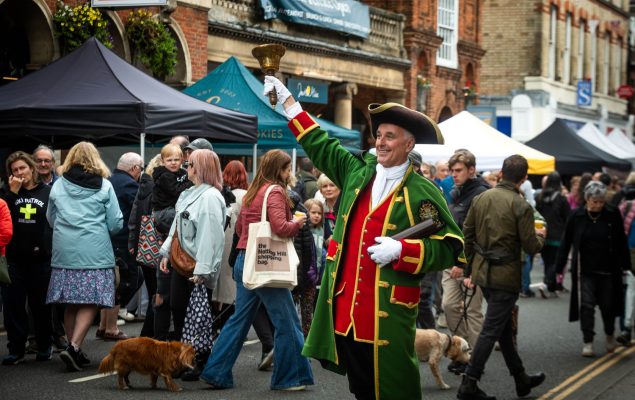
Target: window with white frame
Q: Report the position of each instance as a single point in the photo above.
(606, 63)
(594, 54)
(617, 65)
(551, 73)
(581, 35)
(566, 73)
(447, 28)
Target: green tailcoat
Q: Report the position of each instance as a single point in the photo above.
(395, 363)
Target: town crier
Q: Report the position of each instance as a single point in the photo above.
(364, 324)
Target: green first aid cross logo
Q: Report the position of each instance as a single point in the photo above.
(27, 211)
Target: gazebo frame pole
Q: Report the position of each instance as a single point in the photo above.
(254, 161)
(294, 155)
(142, 146)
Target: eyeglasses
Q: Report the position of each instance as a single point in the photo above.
(43, 161)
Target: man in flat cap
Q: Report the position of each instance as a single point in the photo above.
(364, 323)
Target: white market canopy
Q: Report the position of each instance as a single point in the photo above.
(593, 135)
(618, 137)
(489, 146)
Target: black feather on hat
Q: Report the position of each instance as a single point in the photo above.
(422, 127)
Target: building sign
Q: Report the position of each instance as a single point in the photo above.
(584, 93)
(625, 91)
(309, 91)
(127, 3)
(486, 114)
(347, 16)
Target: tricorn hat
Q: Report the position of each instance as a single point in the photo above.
(423, 128)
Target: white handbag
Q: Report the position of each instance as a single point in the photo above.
(270, 261)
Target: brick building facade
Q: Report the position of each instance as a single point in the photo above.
(440, 87)
(538, 51)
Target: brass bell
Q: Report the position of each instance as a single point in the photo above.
(269, 55)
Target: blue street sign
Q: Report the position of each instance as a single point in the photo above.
(585, 93)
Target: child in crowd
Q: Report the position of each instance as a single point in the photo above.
(169, 178)
(316, 224)
(169, 181)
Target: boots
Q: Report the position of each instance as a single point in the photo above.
(469, 390)
(194, 373)
(524, 382)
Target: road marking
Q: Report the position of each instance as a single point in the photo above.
(92, 377)
(593, 374)
(598, 366)
(250, 342)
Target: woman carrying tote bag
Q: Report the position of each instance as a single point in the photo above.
(291, 370)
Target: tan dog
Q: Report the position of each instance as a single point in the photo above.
(431, 345)
(148, 357)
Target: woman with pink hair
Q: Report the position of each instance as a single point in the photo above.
(199, 224)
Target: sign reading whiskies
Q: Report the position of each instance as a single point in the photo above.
(127, 3)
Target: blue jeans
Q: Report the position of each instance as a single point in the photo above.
(528, 264)
(290, 368)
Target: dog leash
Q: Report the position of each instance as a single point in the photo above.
(468, 295)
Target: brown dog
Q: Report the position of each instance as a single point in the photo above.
(148, 357)
(431, 345)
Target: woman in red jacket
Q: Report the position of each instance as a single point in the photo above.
(291, 371)
(6, 228)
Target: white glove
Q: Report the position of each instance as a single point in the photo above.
(273, 83)
(385, 251)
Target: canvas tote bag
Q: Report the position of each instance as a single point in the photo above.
(270, 261)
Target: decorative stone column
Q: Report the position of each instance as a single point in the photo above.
(344, 104)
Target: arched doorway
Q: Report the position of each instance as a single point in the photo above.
(26, 38)
(183, 74)
(446, 113)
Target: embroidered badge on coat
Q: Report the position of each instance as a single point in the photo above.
(429, 210)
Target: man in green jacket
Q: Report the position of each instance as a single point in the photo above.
(364, 323)
(498, 225)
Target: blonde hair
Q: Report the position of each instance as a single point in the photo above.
(85, 155)
(207, 166)
(155, 162)
(323, 180)
(171, 150)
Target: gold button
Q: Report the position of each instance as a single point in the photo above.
(361, 256)
(365, 230)
(359, 291)
(363, 243)
(361, 268)
(356, 303)
(360, 279)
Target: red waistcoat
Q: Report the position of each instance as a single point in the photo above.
(354, 299)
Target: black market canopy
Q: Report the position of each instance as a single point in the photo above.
(573, 154)
(93, 94)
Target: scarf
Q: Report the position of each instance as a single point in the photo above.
(385, 181)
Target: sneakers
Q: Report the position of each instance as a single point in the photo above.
(82, 358)
(44, 355)
(266, 361)
(610, 344)
(13, 359)
(70, 356)
(294, 388)
(59, 344)
(125, 315)
(624, 338)
(120, 322)
(587, 350)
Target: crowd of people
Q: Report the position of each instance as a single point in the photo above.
(182, 222)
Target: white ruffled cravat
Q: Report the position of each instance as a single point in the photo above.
(385, 181)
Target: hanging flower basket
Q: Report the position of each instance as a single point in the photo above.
(75, 25)
(151, 43)
(423, 83)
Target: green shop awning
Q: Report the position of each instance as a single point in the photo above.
(234, 87)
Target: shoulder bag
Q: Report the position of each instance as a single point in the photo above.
(182, 262)
(270, 261)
